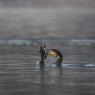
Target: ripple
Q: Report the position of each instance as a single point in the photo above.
(48, 40)
(70, 65)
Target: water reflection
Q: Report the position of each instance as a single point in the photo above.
(42, 79)
(51, 76)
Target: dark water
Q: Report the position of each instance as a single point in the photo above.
(20, 73)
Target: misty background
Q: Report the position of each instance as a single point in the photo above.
(65, 25)
(26, 19)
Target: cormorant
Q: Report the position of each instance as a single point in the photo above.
(56, 53)
(52, 53)
(43, 53)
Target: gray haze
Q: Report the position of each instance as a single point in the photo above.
(26, 19)
(47, 3)
(20, 72)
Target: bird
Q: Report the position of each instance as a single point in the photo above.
(44, 53)
(56, 53)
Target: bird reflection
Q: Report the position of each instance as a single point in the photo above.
(55, 76)
(42, 85)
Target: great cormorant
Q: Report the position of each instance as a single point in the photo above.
(56, 53)
(52, 53)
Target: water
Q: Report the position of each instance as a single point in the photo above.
(20, 73)
(39, 41)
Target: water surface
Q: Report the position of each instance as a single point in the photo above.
(20, 73)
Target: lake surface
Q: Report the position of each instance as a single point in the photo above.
(20, 73)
